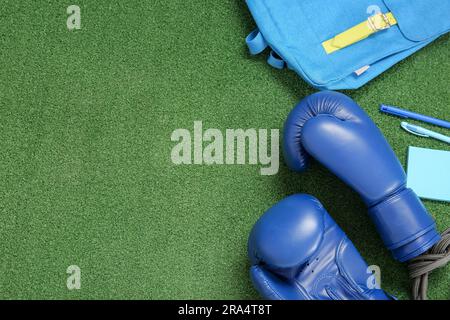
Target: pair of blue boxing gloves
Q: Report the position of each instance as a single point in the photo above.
(297, 250)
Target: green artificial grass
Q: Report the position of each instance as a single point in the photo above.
(86, 118)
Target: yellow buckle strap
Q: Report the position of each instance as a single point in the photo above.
(360, 32)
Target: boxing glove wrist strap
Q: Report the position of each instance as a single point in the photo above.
(405, 240)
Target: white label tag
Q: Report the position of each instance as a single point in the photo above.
(360, 71)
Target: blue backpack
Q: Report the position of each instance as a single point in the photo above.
(343, 44)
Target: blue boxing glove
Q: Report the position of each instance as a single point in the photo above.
(298, 252)
(333, 129)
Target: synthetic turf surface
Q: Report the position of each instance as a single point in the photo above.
(85, 125)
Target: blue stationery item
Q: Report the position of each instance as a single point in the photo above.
(422, 132)
(344, 44)
(412, 115)
(429, 173)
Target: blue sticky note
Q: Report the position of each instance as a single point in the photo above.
(429, 173)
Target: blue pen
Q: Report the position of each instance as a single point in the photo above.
(422, 132)
(415, 116)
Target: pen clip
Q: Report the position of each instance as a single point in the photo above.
(404, 125)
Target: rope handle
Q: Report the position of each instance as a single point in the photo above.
(421, 267)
